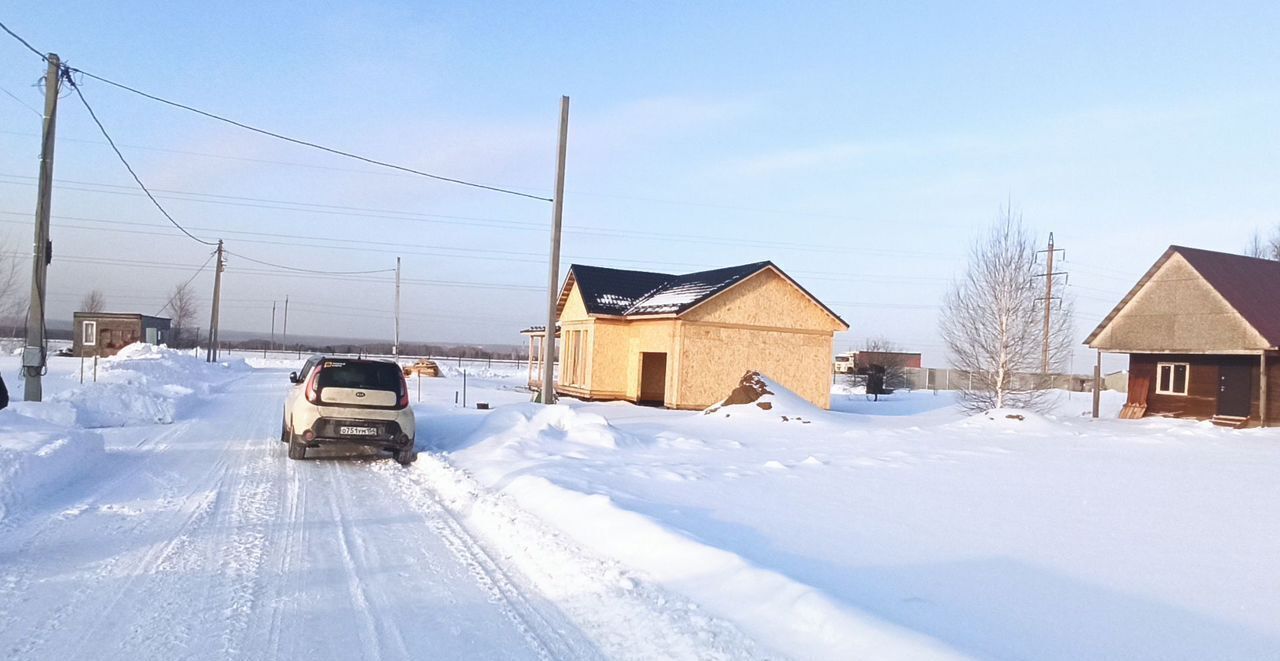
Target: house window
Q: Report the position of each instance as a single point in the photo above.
(574, 371)
(1171, 378)
(89, 334)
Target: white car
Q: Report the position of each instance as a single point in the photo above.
(349, 401)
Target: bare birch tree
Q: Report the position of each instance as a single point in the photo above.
(12, 284)
(993, 322)
(94, 301)
(182, 315)
(1264, 248)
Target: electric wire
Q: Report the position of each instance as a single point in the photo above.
(23, 42)
(313, 145)
(70, 81)
(302, 270)
(15, 97)
(184, 285)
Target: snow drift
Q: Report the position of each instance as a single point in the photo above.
(37, 454)
(759, 396)
(143, 384)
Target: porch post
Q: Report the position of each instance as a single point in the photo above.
(1262, 389)
(1097, 384)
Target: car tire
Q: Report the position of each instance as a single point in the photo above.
(297, 449)
(405, 456)
(284, 431)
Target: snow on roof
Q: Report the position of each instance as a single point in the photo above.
(622, 292)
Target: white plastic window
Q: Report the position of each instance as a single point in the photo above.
(1172, 378)
(89, 337)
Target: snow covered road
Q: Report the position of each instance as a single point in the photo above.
(200, 540)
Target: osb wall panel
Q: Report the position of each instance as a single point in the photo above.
(574, 309)
(764, 299)
(714, 358)
(1178, 311)
(617, 346)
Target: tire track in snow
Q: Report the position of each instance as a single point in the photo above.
(626, 616)
(548, 638)
(354, 555)
(73, 518)
(251, 512)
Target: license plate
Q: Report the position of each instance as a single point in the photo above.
(358, 431)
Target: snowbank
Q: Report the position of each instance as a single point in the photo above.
(143, 384)
(534, 432)
(37, 454)
(782, 613)
(759, 396)
(1015, 421)
(779, 612)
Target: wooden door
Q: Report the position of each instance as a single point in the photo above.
(653, 378)
(1235, 392)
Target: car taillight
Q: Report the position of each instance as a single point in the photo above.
(313, 391)
(404, 393)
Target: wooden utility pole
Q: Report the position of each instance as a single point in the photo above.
(395, 347)
(1049, 275)
(212, 354)
(548, 390)
(35, 353)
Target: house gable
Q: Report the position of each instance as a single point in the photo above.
(767, 299)
(572, 307)
(1174, 309)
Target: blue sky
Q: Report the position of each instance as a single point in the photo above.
(860, 147)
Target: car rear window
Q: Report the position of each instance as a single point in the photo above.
(364, 376)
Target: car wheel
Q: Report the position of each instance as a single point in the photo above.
(284, 431)
(406, 456)
(297, 449)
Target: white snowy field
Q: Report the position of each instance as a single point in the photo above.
(154, 515)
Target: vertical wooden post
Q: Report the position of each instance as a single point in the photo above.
(1097, 384)
(1262, 389)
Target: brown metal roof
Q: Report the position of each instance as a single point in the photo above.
(1250, 285)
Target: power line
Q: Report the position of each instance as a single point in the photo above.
(23, 41)
(188, 282)
(577, 230)
(13, 96)
(70, 81)
(302, 270)
(265, 132)
(313, 145)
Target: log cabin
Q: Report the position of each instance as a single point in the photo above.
(1202, 332)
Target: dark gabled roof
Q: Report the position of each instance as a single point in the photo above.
(1250, 285)
(621, 292)
(613, 291)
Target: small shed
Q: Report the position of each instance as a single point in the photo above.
(684, 341)
(104, 333)
(1202, 330)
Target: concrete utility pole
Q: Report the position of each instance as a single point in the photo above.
(548, 391)
(1049, 275)
(212, 354)
(273, 325)
(395, 347)
(35, 353)
(284, 332)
